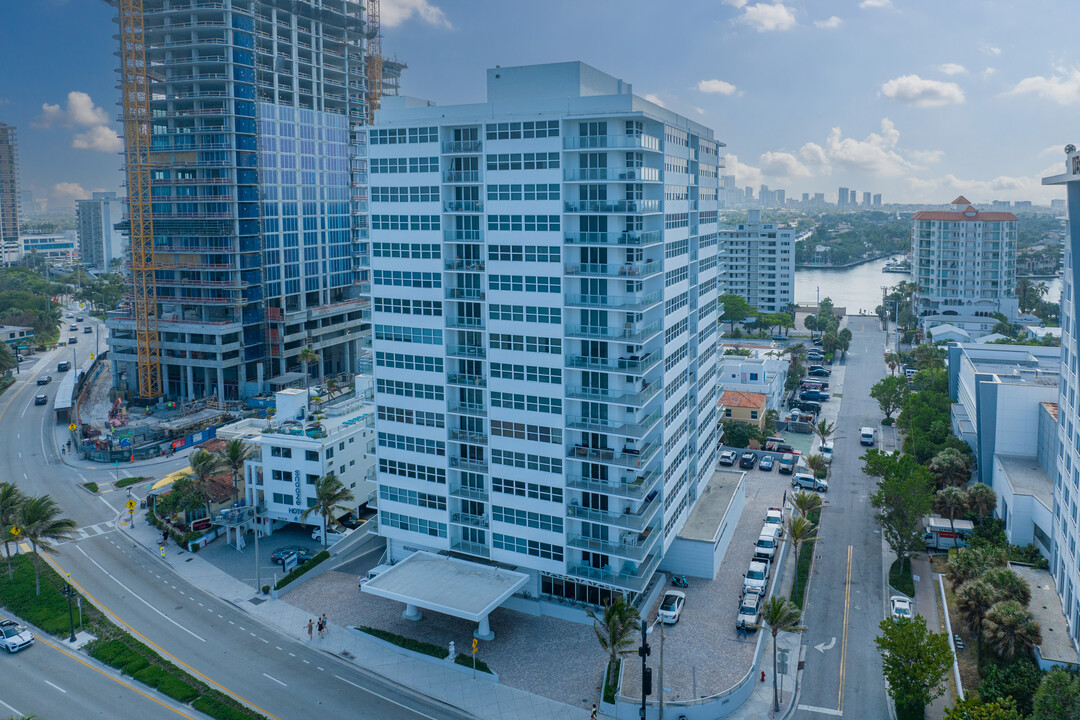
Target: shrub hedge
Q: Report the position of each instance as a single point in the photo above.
(467, 660)
(436, 651)
(301, 569)
(802, 568)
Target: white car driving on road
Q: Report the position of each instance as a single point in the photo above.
(901, 607)
(14, 637)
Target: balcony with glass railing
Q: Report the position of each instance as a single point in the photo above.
(465, 323)
(632, 520)
(470, 548)
(466, 351)
(637, 485)
(636, 333)
(462, 146)
(611, 206)
(627, 457)
(633, 142)
(634, 270)
(464, 294)
(630, 576)
(463, 206)
(623, 174)
(451, 235)
(626, 239)
(468, 436)
(614, 396)
(468, 493)
(461, 463)
(631, 544)
(462, 176)
(613, 426)
(468, 408)
(461, 518)
(633, 365)
(636, 302)
(453, 264)
(477, 381)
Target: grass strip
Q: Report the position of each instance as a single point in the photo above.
(802, 567)
(609, 689)
(125, 482)
(900, 577)
(301, 569)
(435, 651)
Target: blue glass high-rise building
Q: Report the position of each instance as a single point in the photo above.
(259, 193)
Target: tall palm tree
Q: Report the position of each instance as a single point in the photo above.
(974, 599)
(232, 457)
(40, 522)
(11, 499)
(1010, 629)
(798, 530)
(805, 502)
(616, 631)
(816, 463)
(971, 563)
(330, 495)
(950, 468)
(306, 357)
(893, 361)
(824, 430)
(331, 388)
(1007, 585)
(982, 499)
(951, 500)
(779, 615)
(204, 466)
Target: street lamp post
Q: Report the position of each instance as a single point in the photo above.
(646, 673)
(69, 592)
(660, 671)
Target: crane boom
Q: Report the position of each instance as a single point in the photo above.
(135, 91)
(374, 58)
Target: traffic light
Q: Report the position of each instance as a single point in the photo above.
(644, 650)
(646, 682)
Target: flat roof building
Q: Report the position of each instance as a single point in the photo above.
(760, 263)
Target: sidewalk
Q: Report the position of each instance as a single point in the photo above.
(927, 598)
(484, 698)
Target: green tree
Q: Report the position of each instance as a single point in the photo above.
(232, 457)
(307, 356)
(950, 501)
(183, 495)
(330, 495)
(892, 360)
(1018, 680)
(798, 530)
(974, 707)
(1011, 629)
(805, 502)
(40, 522)
(982, 500)
(7, 358)
(816, 463)
(1008, 585)
(11, 500)
(950, 468)
(778, 615)
(930, 357)
(904, 496)
(736, 309)
(914, 662)
(824, 430)
(1058, 696)
(974, 599)
(890, 393)
(972, 563)
(844, 338)
(616, 631)
(830, 341)
(738, 434)
(204, 466)
(811, 324)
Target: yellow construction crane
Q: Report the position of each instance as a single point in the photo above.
(374, 60)
(135, 91)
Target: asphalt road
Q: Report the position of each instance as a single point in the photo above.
(846, 600)
(213, 639)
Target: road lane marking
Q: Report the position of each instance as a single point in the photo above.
(383, 697)
(114, 678)
(823, 711)
(106, 503)
(162, 651)
(843, 641)
(17, 713)
(139, 597)
(57, 687)
(275, 680)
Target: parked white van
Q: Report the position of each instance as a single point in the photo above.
(866, 436)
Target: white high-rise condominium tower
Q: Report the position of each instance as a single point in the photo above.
(964, 262)
(760, 263)
(1065, 556)
(544, 281)
(99, 241)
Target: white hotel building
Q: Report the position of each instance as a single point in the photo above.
(760, 263)
(544, 304)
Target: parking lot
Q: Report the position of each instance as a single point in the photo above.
(240, 564)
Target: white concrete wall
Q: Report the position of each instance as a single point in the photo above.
(702, 558)
(1018, 417)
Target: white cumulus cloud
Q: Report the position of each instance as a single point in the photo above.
(717, 87)
(68, 192)
(782, 165)
(100, 138)
(744, 174)
(990, 49)
(988, 73)
(813, 154)
(1063, 87)
(925, 157)
(914, 90)
(1002, 187)
(80, 112)
(766, 17)
(877, 154)
(736, 3)
(875, 3)
(831, 24)
(396, 12)
(952, 69)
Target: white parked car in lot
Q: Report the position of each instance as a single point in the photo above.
(774, 517)
(901, 607)
(756, 578)
(14, 637)
(767, 542)
(826, 451)
(728, 457)
(809, 482)
(671, 607)
(749, 612)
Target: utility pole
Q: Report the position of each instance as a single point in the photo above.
(258, 576)
(646, 673)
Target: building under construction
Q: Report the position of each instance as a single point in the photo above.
(255, 227)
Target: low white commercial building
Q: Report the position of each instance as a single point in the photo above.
(761, 263)
(294, 452)
(760, 372)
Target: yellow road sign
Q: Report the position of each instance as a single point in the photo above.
(474, 646)
(16, 531)
(130, 505)
(91, 356)
(73, 427)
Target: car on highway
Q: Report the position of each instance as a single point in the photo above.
(87, 330)
(748, 461)
(671, 607)
(756, 578)
(728, 457)
(69, 316)
(44, 380)
(14, 636)
(749, 616)
(73, 326)
(809, 482)
(302, 554)
(766, 463)
(41, 399)
(73, 340)
(900, 607)
(63, 366)
(78, 318)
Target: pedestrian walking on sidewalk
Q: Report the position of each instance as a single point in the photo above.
(593, 715)
(325, 623)
(320, 626)
(310, 624)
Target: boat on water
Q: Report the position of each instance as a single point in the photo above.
(900, 265)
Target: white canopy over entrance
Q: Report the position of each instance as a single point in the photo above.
(442, 584)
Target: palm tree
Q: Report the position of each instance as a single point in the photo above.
(950, 468)
(845, 338)
(306, 357)
(616, 631)
(204, 466)
(824, 430)
(816, 463)
(40, 521)
(981, 499)
(1010, 629)
(330, 495)
(331, 388)
(11, 499)
(779, 615)
(798, 530)
(951, 500)
(971, 563)
(974, 599)
(805, 502)
(1007, 585)
(893, 361)
(232, 457)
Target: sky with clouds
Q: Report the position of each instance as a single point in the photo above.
(917, 99)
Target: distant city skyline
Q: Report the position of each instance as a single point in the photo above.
(912, 125)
